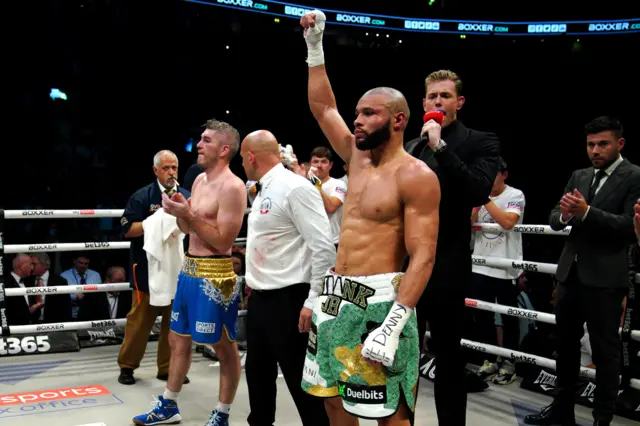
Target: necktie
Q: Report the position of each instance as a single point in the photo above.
(170, 192)
(258, 187)
(599, 176)
(83, 280)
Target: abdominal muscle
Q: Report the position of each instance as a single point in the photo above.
(197, 247)
(368, 247)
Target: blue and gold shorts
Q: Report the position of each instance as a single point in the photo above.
(206, 300)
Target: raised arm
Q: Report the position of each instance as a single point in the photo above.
(321, 99)
(222, 232)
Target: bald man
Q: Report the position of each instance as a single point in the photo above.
(289, 248)
(205, 308)
(365, 353)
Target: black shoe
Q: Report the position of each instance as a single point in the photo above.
(126, 377)
(551, 415)
(164, 377)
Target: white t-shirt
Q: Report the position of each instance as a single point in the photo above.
(505, 245)
(335, 188)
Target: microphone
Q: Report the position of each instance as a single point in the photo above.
(435, 115)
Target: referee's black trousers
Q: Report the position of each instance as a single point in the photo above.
(442, 306)
(273, 339)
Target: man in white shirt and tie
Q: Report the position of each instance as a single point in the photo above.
(289, 249)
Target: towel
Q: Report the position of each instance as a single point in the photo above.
(163, 242)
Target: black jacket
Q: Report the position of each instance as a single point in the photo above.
(466, 169)
(602, 239)
(142, 204)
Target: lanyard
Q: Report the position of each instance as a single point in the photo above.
(113, 306)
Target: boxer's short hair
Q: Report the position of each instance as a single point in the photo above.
(322, 152)
(441, 75)
(233, 136)
(603, 124)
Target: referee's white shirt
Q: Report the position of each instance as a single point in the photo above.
(288, 235)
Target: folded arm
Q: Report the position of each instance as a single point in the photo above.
(222, 231)
(420, 191)
(477, 175)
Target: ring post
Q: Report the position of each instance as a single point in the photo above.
(4, 323)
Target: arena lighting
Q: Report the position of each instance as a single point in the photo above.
(441, 26)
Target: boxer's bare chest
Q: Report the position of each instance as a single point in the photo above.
(373, 194)
(204, 201)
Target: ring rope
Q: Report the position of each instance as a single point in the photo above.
(67, 214)
(76, 326)
(527, 358)
(87, 246)
(69, 289)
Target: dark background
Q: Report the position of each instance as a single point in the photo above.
(143, 76)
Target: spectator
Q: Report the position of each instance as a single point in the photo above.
(80, 274)
(55, 307)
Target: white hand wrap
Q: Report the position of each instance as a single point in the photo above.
(382, 343)
(313, 37)
(287, 155)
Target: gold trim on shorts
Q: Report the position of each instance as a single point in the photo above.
(317, 390)
(219, 281)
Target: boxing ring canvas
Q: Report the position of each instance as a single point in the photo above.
(81, 389)
(73, 387)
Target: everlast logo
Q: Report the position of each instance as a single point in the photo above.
(37, 213)
(50, 327)
(525, 266)
(478, 261)
(545, 378)
(96, 245)
(350, 290)
(529, 229)
(41, 290)
(524, 359)
(474, 347)
(362, 394)
(3, 318)
(43, 247)
(98, 324)
(95, 335)
(522, 313)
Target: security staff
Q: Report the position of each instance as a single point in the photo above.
(466, 162)
(142, 204)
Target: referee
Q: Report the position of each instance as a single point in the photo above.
(289, 250)
(142, 204)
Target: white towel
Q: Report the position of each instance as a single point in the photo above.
(163, 242)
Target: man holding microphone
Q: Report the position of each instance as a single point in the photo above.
(466, 163)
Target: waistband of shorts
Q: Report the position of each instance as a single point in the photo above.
(217, 266)
(376, 282)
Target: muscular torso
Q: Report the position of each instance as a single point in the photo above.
(372, 230)
(204, 203)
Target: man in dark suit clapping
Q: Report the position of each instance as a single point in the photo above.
(598, 203)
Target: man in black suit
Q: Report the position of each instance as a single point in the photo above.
(20, 309)
(142, 204)
(466, 162)
(598, 204)
(55, 307)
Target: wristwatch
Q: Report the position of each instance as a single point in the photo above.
(440, 146)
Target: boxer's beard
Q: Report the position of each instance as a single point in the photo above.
(376, 138)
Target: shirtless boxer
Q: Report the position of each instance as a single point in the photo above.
(205, 308)
(364, 343)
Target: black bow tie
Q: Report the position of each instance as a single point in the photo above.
(258, 187)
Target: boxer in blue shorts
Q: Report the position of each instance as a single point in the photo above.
(205, 307)
(206, 302)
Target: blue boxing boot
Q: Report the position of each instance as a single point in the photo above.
(164, 412)
(218, 419)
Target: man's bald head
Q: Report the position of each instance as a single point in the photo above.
(22, 265)
(261, 141)
(394, 101)
(260, 153)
